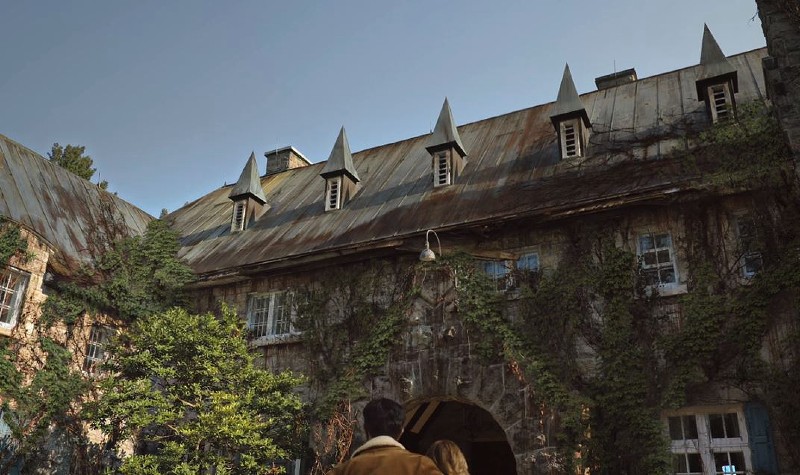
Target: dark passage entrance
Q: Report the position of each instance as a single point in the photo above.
(474, 430)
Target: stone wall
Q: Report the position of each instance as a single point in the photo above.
(780, 20)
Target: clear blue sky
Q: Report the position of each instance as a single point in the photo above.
(170, 97)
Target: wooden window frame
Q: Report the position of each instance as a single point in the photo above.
(239, 216)
(570, 139)
(442, 169)
(263, 319)
(333, 193)
(13, 285)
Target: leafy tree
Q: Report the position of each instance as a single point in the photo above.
(33, 407)
(186, 388)
(39, 387)
(72, 158)
(135, 277)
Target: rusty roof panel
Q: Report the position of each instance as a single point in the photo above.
(513, 169)
(72, 215)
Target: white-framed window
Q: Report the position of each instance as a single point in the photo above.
(570, 139)
(708, 441)
(528, 262)
(503, 272)
(441, 169)
(750, 260)
(270, 314)
(333, 193)
(239, 215)
(13, 283)
(99, 336)
(657, 257)
(719, 102)
(498, 272)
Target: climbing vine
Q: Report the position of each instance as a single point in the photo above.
(351, 324)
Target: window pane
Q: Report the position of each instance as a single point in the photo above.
(528, 262)
(649, 259)
(729, 462)
(731, 425)
(12, 291)
(663, 256)
(752, 264)
(695, 463)
(667, 275)
(645, 243)
(663, 240)
(717, 426)
(679, 463)
(259, 311)
(737, 460)
(675, 431)
(690, 427)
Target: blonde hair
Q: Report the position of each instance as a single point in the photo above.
(448, 457)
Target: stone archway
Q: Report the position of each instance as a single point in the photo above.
(480, 437)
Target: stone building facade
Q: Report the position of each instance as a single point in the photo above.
(514, 193)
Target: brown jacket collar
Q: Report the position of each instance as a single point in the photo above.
(375, 442)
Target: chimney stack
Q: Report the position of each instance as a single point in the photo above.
(285, 158)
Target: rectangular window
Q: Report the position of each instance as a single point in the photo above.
(12, 292)
(682, 428)
(238, 216)
(498, 272)
(528, 262)
(718, 100)
(95, 347)
(441, 172)
(570, 141)
(270, 314)
(709, 442)
(657, 258)
(751, 261)
(332, 200)
(687, 464)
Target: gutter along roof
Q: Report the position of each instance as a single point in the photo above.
(513, 171)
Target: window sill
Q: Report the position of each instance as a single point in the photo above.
(277, 339)
(669, 290)
(6, 330)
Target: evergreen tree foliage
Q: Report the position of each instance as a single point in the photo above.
(186, 388)
(73, 159)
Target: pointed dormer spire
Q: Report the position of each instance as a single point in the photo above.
(445, 134)
(340, 159)
(446, 149)
(570, 119)
(247, 196)
(341, 178)
(714, 66)
(249, 183)
(568, 104)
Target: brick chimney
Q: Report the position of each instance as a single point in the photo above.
(285, 158)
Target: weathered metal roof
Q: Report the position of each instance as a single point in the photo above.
(340, 160)
(514, 173)
(568, 101)
(249, 182)
(71, 214)
(445, 132)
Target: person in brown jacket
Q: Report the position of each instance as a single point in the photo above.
(382, 454)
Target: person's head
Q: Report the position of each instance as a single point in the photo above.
(383, 417)
(448, 457)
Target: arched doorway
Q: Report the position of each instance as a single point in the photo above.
(473, 428)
